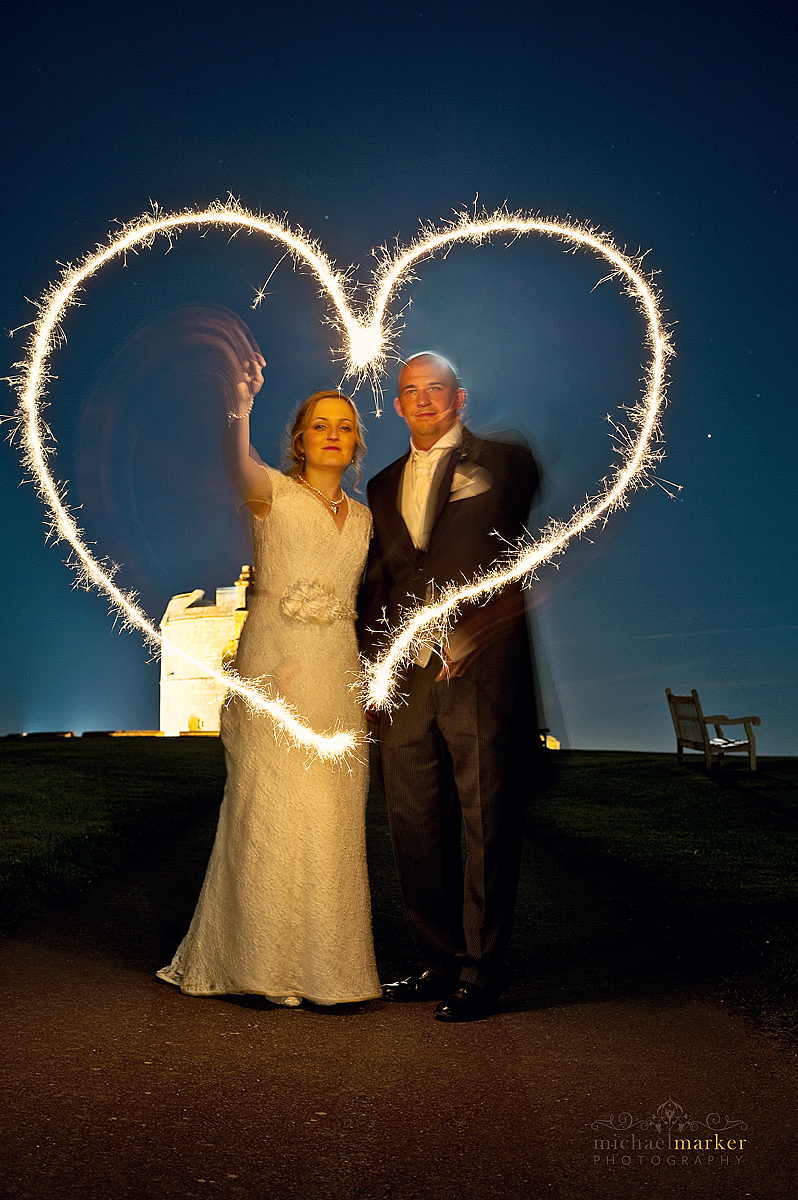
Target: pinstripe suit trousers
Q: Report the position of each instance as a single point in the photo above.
(451, 758)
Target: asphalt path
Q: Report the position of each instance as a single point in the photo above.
(587, 1083)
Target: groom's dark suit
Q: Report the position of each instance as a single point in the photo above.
(462, 750)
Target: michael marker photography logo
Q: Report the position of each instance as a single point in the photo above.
(669, 1138)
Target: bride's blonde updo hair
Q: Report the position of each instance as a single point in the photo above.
(295, 458)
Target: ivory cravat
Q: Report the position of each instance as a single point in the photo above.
(418, 480)
(415, 498)
(421, 467)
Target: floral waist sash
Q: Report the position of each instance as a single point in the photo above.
(307, 601)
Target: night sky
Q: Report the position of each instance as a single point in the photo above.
(671, 127)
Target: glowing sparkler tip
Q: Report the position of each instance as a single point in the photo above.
(365, 345)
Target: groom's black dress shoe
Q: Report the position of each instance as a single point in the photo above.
(468, 1003)
(425, 985)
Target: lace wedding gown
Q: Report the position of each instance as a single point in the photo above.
(285, 907)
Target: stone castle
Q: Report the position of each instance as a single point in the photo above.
(208, 630)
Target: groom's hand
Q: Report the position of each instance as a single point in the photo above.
(472, 635)
(452, 667)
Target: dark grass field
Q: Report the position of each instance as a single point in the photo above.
(703, 867)
(73, 811)
(634, 865)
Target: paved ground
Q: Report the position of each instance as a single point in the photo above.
(117, 1086)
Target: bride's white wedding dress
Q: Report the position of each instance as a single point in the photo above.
(285, 908)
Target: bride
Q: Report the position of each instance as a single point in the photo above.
(284, 911)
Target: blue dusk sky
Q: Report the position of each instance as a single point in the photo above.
(672, 127)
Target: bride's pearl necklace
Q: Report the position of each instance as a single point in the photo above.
(333, 505)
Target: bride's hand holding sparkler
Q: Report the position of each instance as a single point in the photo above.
(241, 402)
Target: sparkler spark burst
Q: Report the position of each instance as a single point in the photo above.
(367, 342)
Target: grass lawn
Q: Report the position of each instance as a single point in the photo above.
(702, 867)
(75, 810)
(706, 865)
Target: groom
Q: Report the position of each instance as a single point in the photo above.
(460, 749)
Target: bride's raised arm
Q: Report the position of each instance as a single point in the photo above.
(242, 462)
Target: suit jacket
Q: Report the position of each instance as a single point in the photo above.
(483, 499)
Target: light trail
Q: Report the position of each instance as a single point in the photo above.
(366, 344)
(638, 455)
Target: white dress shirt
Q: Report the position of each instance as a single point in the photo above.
(420, 471)
(418, 497)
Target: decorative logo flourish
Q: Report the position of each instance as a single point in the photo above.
(670, 1118)
(367, 341)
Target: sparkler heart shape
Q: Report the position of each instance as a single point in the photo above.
(367, 340)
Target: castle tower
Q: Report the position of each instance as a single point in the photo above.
(209, 631)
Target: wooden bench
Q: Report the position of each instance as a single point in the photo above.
(692, 731)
